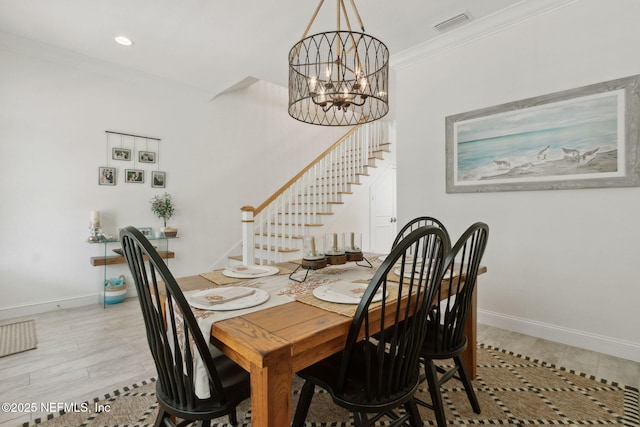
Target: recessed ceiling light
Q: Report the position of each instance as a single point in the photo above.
(124, 41)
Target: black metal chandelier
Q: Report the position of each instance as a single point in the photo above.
(338, 78)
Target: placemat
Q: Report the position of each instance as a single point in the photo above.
(344, 309)
(218, 278)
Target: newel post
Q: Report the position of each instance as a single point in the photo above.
(248, 244)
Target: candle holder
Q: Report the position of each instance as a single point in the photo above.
(96, 234)
(353, 246)
(94, 226)
(334, 248)
(353, 249)
(313, 257)
(318, 253)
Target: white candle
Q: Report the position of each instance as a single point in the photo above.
(313, 246)
(335, 242)
(95, 218)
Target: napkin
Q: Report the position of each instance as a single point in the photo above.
(222, 295)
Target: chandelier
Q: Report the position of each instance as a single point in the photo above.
(338, 78)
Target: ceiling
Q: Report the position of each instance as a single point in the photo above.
(214, 44)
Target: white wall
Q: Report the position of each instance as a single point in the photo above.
(54, 109)
(561, 264)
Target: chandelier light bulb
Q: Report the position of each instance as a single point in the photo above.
(124, 40)
(313, 84)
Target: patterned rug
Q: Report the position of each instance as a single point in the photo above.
(17, 337)
(512, 390)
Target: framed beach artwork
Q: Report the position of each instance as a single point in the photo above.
(580, 138)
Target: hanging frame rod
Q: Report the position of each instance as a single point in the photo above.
(130, 134)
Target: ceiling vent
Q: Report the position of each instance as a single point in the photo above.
(452, 22)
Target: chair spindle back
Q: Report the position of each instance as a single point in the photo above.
(392, 364)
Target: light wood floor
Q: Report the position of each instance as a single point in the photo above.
(87, 352)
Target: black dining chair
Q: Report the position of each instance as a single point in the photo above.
(370, 377)
(445, 331)
(415, 223)
(175, 341)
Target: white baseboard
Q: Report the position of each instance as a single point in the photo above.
(43, 307)
(594, 342)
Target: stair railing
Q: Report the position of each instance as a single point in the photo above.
(276, 224)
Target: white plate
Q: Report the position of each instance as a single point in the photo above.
(258, 297)
(250, 271)
(407, 272)
(407, 261)
(341, 293)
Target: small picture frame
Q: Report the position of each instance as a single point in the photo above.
(146, 157)
(106, 176)
(146, 231)
(134, 176)
(158, 179)
(121, 154)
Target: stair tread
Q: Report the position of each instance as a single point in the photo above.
(329, 185)
(286, 236)
(319, 203)
(306, 213)
(273, 248)
(288, 225)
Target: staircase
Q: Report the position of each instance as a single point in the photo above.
(274, 231)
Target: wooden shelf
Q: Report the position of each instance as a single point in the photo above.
(117, 259)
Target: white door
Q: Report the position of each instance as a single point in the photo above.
(383, 211)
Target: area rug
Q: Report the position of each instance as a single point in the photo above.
(17, 337)
(512, 390)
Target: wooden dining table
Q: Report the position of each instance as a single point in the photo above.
(274, 343)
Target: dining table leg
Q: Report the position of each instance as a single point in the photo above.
(469, 356)
(271, 386)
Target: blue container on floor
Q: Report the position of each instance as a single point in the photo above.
(115, 290)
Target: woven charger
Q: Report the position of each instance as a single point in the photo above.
(348, 310)
(218, 277)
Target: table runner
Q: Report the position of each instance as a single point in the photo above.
(281, 290)
(206, 318)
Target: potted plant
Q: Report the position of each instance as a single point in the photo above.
(163, 207)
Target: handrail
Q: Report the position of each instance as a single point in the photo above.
(282, 189)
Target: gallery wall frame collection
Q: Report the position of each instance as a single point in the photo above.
(585, 137)
(141, 151)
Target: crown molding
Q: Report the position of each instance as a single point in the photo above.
(511, 16)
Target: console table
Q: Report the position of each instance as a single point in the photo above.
(105, 259)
